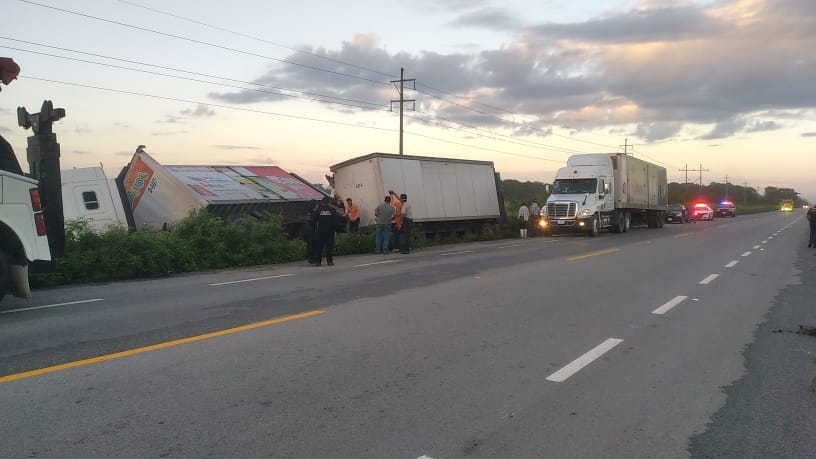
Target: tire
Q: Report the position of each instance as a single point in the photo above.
(593, 232)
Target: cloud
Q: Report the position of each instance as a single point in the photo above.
(809, 134)
(201, 111)
(663, 68)
(488, 18)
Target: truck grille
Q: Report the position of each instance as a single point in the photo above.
(562, 209)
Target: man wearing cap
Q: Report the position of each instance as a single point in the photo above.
(407, 220)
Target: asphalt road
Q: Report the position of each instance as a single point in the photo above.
(673, 342)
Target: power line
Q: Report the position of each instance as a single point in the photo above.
(318, 97)
(266, 112)
(338, 61)
(201, 42)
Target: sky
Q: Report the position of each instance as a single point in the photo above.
(722, 90)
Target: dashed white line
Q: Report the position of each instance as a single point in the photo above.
(764, 242)
(746, 254)
(709, 279)
(55, 305)
(732, 264)
(576, 365)
(252, 280)
(455, 253)
(509, 246)
(670, 304)
(756, 247)
(376, 263)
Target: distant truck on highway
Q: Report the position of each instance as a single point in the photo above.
(786, 205)
(446, 195)
(605, 191)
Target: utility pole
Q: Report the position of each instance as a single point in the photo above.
(700, 170)
(402, 99)
(726, 187)
(686, 170)
(626, 146)
(745, 192)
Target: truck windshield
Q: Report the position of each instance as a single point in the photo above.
(575, 186)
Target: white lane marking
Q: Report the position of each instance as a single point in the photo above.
(55, 305)
(746, 254)
(770, 237)
(764, 242)
(756, 247)
(252, 280)
(508, 246)
(709, 278)
(670, 304)
(376, 263)
(455, 253)
(732, 264)
(576, 365)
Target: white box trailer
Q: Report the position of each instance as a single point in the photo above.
(160, 196)
(445, 194)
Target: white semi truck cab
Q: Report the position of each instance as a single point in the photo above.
(605, 191)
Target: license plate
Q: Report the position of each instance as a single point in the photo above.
(560, 222)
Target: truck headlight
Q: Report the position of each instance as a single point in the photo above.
(542, 223)
(585, 213)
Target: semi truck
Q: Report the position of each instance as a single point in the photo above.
(32, 235)
(611, 191)
(446, 195)
(786, 205)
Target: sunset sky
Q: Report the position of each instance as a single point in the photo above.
(728, 86)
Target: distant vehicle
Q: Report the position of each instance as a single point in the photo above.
(727, 209)
(786, 205)
(702, 211)
(677, 213)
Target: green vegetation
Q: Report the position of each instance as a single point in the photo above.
(203, 242)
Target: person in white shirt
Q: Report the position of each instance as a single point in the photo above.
(523, 218)
(407, 221)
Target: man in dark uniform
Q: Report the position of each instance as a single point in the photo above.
(324, 221)
(307, 233)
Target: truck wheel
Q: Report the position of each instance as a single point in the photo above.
(4, 275)
(595, 227)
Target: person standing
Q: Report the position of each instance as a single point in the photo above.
(353, 212)
(407, 220)
(325, 224)
(396, 223)
(523, 218)
(383, 215)
(535, 210)
(307, 233)
(811, 217)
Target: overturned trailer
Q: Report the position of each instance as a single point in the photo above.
(160, 196)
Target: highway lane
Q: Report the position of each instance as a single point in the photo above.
(443, 353)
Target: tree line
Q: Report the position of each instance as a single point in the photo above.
(681, 193)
